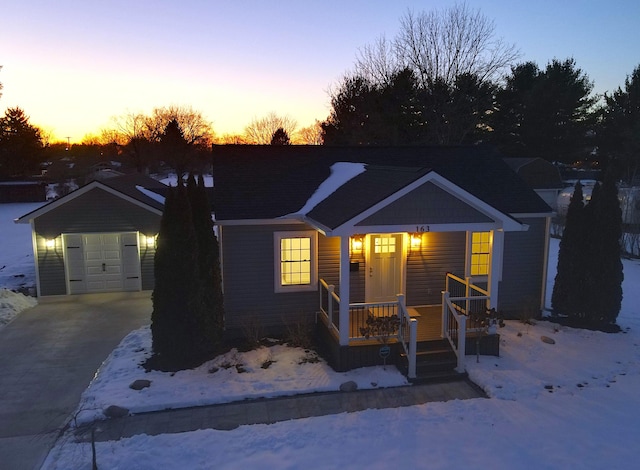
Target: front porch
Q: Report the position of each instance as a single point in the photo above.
(422, 329)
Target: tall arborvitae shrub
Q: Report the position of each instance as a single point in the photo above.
(605, 273)
(566, 298)
(176, 295)
(212, 315)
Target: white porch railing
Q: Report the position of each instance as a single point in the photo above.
(466, 297)
(329, 306)
(460, 299)
(358, 314)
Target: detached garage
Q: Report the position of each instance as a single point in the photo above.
(99, 238)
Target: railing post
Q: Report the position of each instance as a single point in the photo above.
(462, 343)
(330, 289)
(466, 294)
(445, 316)
(413, 342)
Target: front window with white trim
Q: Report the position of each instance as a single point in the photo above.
(295, 254)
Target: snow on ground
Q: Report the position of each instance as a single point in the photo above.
(16, 251)
(271, 371)
(572, 404)
(17, 271)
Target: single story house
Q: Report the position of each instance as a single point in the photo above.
(98, 238)
(335, 235)
(23, 191)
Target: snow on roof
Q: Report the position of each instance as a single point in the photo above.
(341, 173)
(155, 196)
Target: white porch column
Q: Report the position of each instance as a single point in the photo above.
(497, 253)
(344, 291)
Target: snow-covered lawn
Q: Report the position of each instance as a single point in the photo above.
(17, 271)
(271, 371)
(572, 404)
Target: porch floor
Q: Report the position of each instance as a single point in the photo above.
(429, 324)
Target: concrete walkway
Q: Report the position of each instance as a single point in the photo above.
(271, 410)
(48, 356)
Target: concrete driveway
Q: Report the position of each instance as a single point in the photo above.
(48, 356)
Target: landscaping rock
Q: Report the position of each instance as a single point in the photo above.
(546, 339)
(349, 386)
(140, 384)
(114, 411)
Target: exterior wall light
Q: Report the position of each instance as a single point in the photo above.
(50, 243)
(357, 244)
(416, 241)
(151, 241)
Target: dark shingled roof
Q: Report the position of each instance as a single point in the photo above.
(265, 182)
(126, 184)
(536, 172)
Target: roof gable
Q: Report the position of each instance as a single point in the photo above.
(124, 189)
(428, 204)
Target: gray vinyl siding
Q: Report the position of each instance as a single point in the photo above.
(329, 268)
(440, 253)
(428, 204)
(147, 255)
(523, 270)
(51, 268)
(248, 281)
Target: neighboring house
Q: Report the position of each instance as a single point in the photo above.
(333, 234)
(98, 238)
(542, 176)
(22, 191)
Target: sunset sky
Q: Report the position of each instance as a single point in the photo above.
(72, 65)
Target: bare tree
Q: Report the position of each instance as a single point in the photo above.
(231, 139)
(195, 128)
(378, 62)
(310, 135)
(260, 131)
(439, 45)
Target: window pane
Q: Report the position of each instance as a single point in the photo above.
(480, 253)
(295, 259)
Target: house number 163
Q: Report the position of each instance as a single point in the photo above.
(422, 228)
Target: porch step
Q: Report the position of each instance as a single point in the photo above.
(435, 362)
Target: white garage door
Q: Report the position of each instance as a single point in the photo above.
(102, 262)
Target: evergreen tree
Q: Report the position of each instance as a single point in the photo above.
(566, 298)
(605, 271)
(20, 144)
(176, 295)
(212, 315)
(619, 130)
(280, 137)
(545, 113)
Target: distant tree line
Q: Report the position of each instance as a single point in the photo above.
(443, 79)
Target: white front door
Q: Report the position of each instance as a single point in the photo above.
(384, 277)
